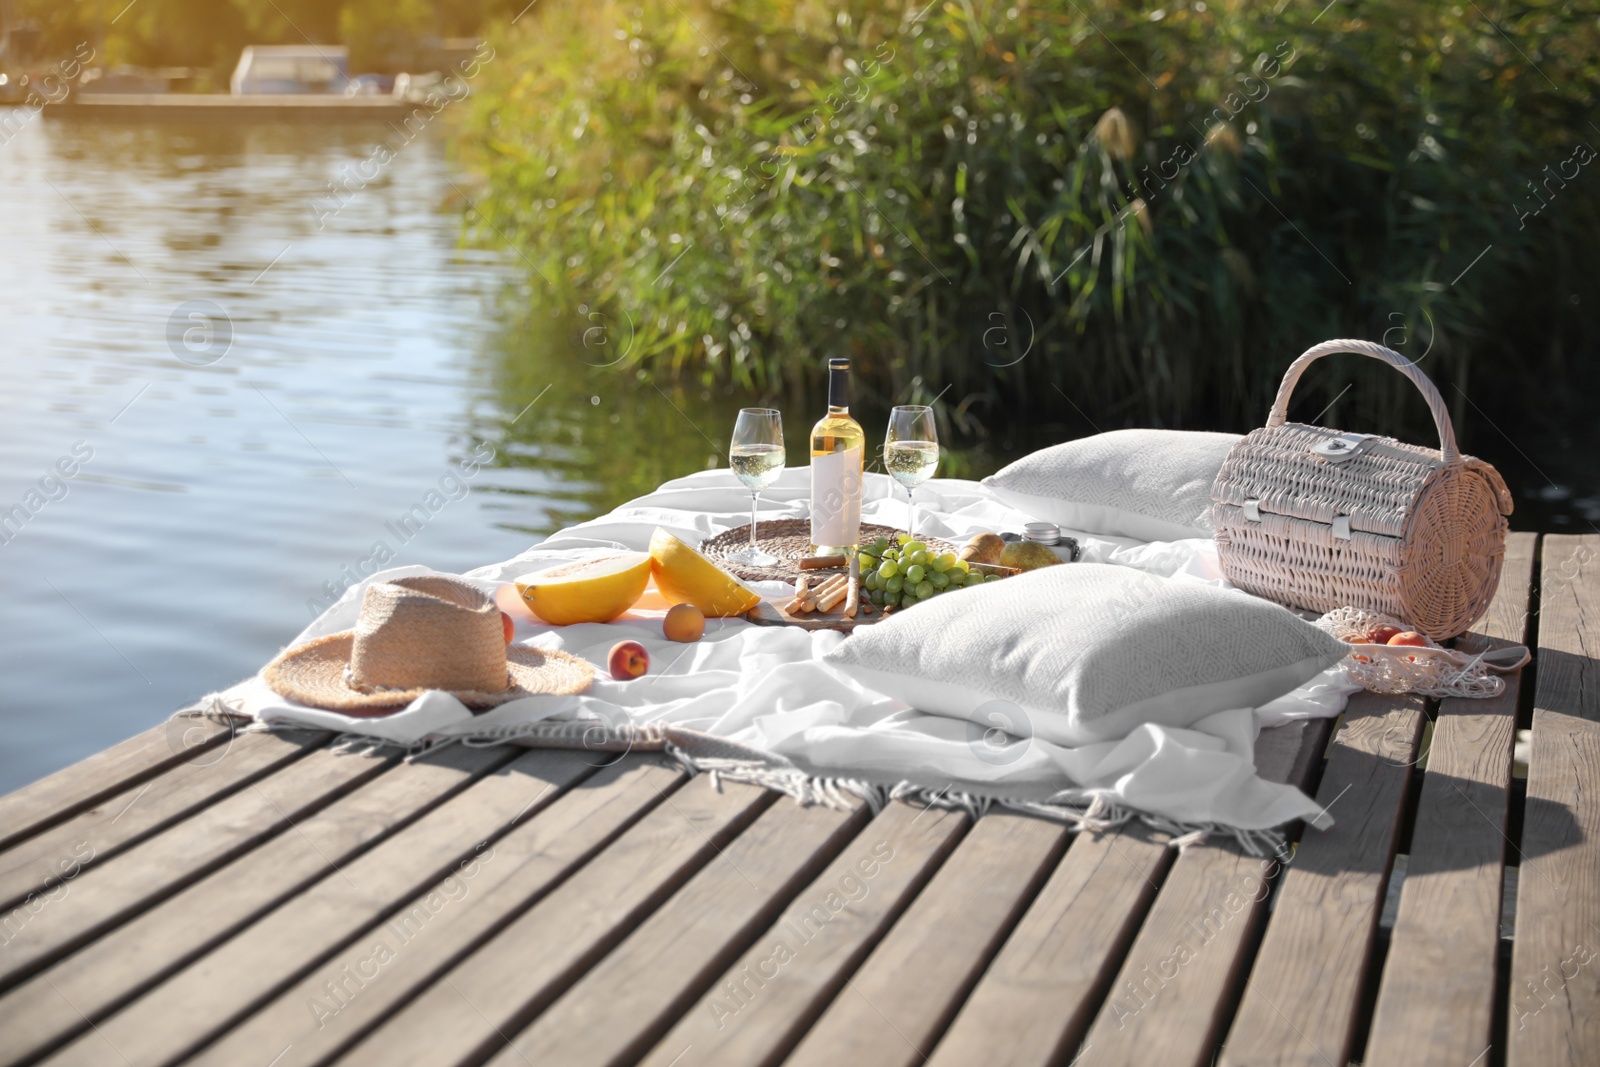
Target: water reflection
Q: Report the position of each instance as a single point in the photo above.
(225, 498)
(590, 432)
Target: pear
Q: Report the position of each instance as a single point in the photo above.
(983, 548)
(1028, 556)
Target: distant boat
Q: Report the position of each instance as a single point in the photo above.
(272, 83)
(280, 69)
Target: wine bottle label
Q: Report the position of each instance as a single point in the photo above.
(836, 498)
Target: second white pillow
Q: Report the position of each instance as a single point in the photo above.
(1088, 652)
(1154, 485)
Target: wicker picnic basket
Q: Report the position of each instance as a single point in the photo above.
(1319, 519)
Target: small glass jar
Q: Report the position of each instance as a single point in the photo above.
(1045, 533)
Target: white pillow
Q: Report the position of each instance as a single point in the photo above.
(1154, 485)
(1086, 652)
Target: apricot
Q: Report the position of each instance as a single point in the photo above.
(684, 622)
(1409, 637)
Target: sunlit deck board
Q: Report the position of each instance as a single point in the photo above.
(895, 1007)
(1555, 956)
(497, 990)
(218, 989)
(1172, 999)
(139, 876)
(1331, 894)
(52, 1006)
(58, 796)
(618, 1009)
(626, 913)
(526, 864)
(96, 834)
(1038, 997)
(1436, 1003)
(818, 941)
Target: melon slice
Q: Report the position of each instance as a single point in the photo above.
(591, 590)
(684, 576)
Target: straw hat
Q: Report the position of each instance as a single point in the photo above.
(415, 635)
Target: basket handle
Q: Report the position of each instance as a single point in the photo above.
(1441, 417)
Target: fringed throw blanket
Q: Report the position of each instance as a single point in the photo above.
(758, 704)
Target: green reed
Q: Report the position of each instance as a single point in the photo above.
(1138, 221)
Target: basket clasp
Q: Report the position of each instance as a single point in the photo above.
(1340, 448)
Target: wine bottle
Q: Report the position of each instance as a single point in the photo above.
(837, 447)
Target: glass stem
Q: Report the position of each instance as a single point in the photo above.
(911, 514)
(754, 496)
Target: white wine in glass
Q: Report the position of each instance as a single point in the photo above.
(757, 458)
(911, 452)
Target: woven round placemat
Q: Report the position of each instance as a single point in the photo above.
(788, 539)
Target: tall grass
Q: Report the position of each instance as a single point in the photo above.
(1138, 219)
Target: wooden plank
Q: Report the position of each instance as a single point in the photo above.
(1040, 994)
(510, 979)
(1302, 995)
(617, 1010)
(1555, 975)
(1436, 998)
(1293, 752)
(68, 791)
(880, 872)
(109, 892)
(91, 837)
(55, 1004)
(325, 1012)
(894, 1009)
(194, 1005)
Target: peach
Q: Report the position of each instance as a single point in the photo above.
(628, 660)
(684, 622)
(1382, 634)
(1410, 637)
(508, 627)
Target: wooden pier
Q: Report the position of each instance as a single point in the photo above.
(222, 107)
(191, 896)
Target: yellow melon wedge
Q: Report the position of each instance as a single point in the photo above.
(684, 576)
(591, 590)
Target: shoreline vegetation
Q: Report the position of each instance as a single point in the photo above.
(1051, 225)
(1135, 221)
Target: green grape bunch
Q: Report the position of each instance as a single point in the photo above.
(902, 574)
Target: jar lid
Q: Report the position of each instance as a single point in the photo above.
(1045, 533)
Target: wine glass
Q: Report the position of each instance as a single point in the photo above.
(911, 451)
(756, 456)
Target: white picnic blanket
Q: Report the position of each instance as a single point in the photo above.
(767, 687)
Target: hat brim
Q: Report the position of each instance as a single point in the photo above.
(313, 674)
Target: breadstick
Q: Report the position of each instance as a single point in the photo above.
(800, 587)
(818, 592)
(831, 600)
(815, 598)
(852, 598)
(814, 563)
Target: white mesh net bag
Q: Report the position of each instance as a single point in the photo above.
(1429, 671)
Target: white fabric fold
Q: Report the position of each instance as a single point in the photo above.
(766, 687)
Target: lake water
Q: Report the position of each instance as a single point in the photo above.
(228, 468)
